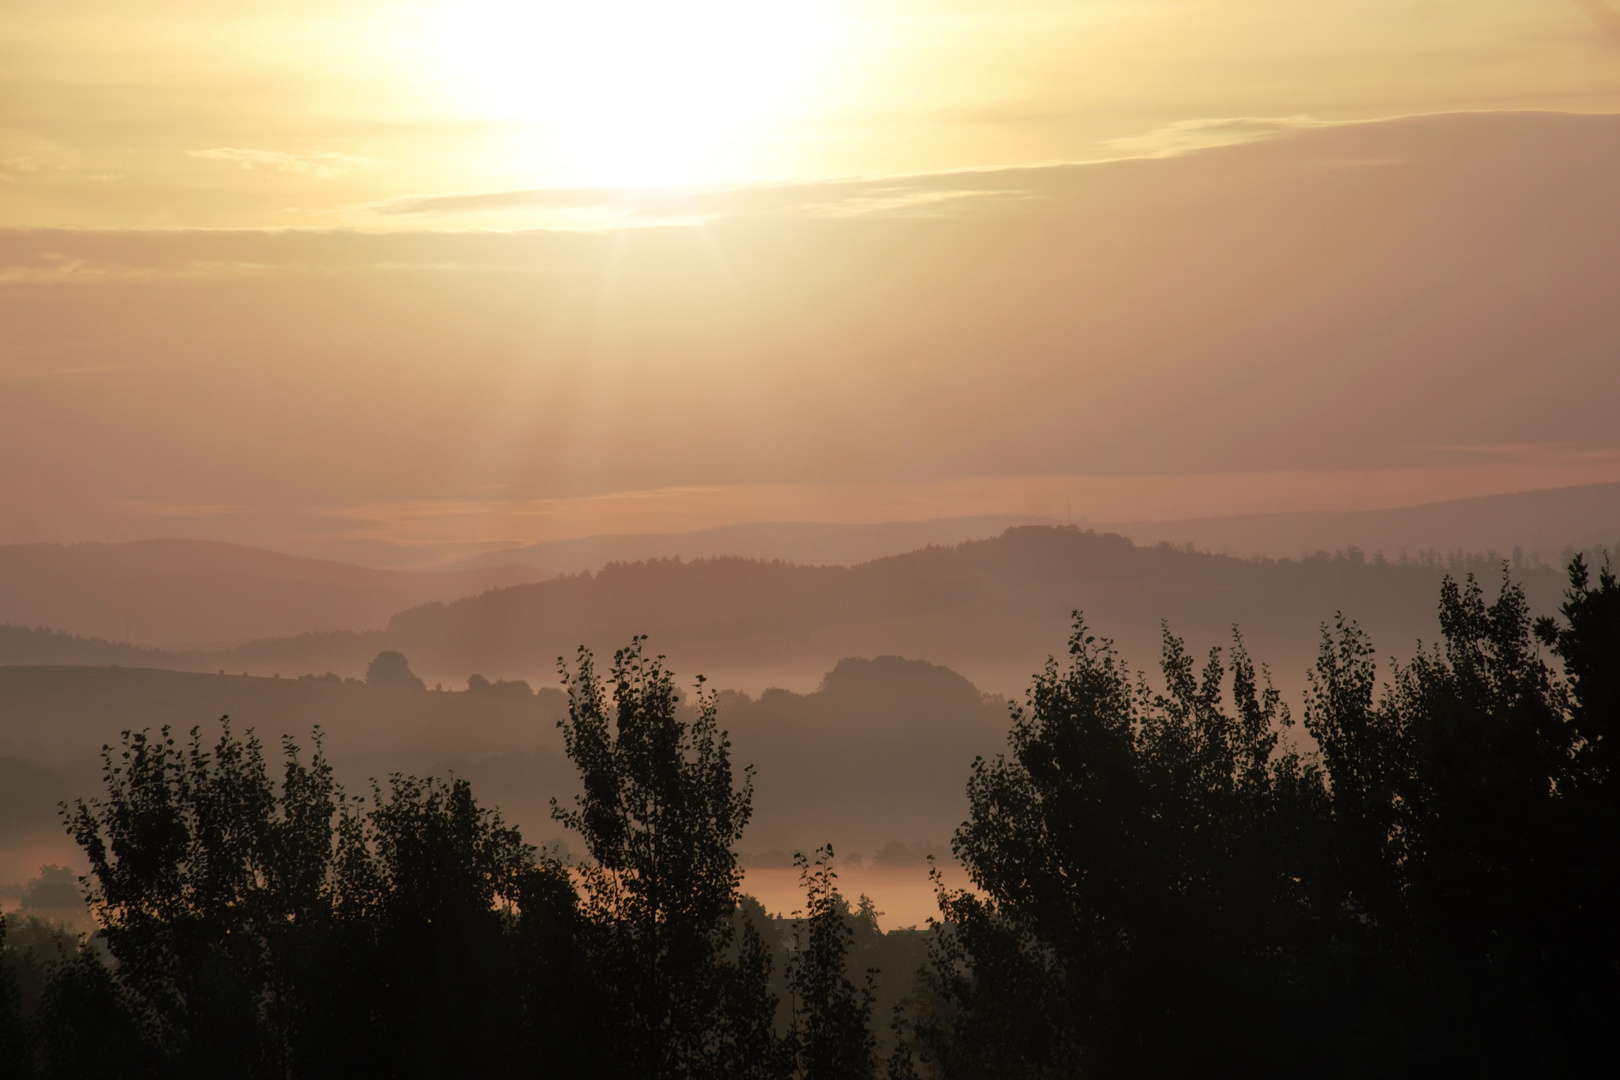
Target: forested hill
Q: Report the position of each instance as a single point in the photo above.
(992, 610)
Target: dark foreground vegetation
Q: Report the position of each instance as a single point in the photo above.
(1166, 884)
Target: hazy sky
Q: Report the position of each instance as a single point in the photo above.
(292, 273)
(164, 113)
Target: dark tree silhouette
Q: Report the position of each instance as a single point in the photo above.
(831, 1033)
(290, 931)
(15, 1046)
(428, 888)
(89, 1024)
(1131, 857)
(1589, 645)
(392, 669)
(685, 976)
(1472, 835)
(1162, 889)
(204, 881)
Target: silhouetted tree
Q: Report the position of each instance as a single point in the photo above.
(207, 885)
(1589, 645)
(1468, 843)
(428, 885)
(1135, 905)
(831, 1031)
(392, 669)
(89, 1024)
(565, 1024)
(16, 1051)
(32, 951)
(685, 977)
(1164, 890)
(290, 931)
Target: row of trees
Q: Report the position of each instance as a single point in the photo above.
(1163, 891)
(1163, 884)
(250, 928)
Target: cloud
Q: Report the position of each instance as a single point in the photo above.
(920, 193)
(1185, 136)
(324, 164)
(12, 168)
(59, 268)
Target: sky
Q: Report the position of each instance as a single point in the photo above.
(185, 113)
(404, 282)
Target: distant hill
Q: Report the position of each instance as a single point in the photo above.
(990, 609)
(809, 543)
(197, 597)
(200, 592)
(1544, 523)
(879, 753)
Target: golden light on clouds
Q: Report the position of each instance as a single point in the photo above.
(164, 113)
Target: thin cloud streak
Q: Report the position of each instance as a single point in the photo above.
(919, 192)
(1187, 136)
(323, 164)
(848, 197)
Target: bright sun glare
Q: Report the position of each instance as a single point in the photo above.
(635, 92)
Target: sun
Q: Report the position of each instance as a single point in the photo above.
(635, 92)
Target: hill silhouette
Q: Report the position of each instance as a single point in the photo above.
(991, 609)
(813, 543)
(1547, 522)
(203, 592)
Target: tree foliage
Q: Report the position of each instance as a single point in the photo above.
(685, 978)
(1162, 887)
(259, 929)
(831, 1034)
(1131, 857)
